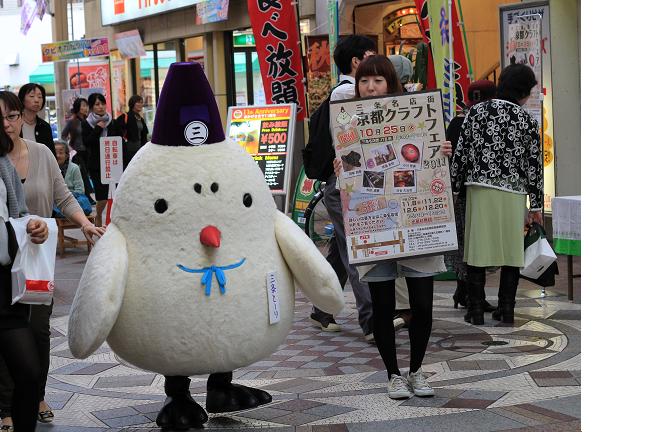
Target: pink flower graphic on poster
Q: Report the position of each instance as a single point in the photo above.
(98, 78)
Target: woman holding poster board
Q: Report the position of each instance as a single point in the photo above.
(376, 77)
(499, 160)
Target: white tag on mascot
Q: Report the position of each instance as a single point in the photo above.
(179, 284)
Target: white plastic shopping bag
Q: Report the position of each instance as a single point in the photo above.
(32, 273)
(538, 254)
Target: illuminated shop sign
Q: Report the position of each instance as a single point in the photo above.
(116, 11)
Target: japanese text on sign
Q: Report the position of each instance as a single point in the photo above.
(112, 162)
(395, 183)
(275, 31)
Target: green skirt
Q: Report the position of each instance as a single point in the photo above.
(494, 233)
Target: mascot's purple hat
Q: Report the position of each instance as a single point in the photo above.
(187, 114)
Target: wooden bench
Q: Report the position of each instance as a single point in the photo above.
(67, 241)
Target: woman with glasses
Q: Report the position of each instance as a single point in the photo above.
(44, 186)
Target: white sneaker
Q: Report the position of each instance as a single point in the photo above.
(369, 337)
(419, 385)
(399, 388)
(399, 323)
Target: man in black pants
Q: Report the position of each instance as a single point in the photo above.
(348, 54)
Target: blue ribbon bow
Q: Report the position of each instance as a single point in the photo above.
(208, 272)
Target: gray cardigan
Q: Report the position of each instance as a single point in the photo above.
(15, 196)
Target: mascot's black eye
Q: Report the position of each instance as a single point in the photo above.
(197, 187)
(247, 200)
(161, 206)
(214, 187)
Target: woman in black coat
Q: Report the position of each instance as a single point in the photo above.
(98, 124)
(134, 125)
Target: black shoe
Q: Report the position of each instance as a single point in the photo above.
(504, 313)
(487, 306)
(325, 321)
(223, 396)
(180, 410)
(460, 294)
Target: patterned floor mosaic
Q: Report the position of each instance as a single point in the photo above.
(521, 377)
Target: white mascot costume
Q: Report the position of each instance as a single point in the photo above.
(195, 272)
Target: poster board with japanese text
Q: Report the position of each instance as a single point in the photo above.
(266, 133)
(395, 183)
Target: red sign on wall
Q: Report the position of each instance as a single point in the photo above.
(275, 31)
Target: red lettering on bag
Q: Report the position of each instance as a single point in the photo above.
(39, 285)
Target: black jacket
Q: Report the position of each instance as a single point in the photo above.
(128, 122)
(43, 133)
(91, 138)
(499, 147)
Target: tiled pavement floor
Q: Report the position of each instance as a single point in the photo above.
(524, 377)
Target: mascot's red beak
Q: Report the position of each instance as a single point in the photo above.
(210, 236)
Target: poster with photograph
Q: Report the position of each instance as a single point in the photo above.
(266, 133)
(395, 183)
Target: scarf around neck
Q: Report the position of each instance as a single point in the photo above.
(93, 119)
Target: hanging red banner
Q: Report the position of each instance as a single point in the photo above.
(424, 26)
(275, 31)
(462, 69)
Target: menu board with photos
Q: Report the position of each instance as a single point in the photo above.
(266, 133)
(395, 183)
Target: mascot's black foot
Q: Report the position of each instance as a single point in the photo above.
(180, 410)
(223, 396)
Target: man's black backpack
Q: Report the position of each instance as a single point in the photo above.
(319, 153)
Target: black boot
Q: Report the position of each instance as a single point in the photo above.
(509, 278)
(487, 306)
(223, 396)
(180, 410)
(475, 283)
(460, 295)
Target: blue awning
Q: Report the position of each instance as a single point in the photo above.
(43, 74)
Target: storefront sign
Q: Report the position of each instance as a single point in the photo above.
(129, 44)
(266, 133)
(208, 11)
(118, 85)
(395, 183)
(76, 49)
(521, 43)
(275, 31)
(116, 11)
(95, 75)
(112, 159)
(319, 70)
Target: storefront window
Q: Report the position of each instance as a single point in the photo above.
(248, 84)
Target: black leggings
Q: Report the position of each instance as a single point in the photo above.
(421, 292)
(18, 350)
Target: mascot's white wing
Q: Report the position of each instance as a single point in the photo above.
(313, 273)
(99, 297)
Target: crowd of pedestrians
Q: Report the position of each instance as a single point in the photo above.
(495, 163)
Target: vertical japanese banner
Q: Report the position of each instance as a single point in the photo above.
(274, 25)
(319, 70)
(91, 75)
(333, 36)
(118, 85)
(424, 25)
(462, 67)
(440, 39)
(524, 15)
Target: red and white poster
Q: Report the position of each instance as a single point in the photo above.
(274, 25)
(112, 159)
(91, 75)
